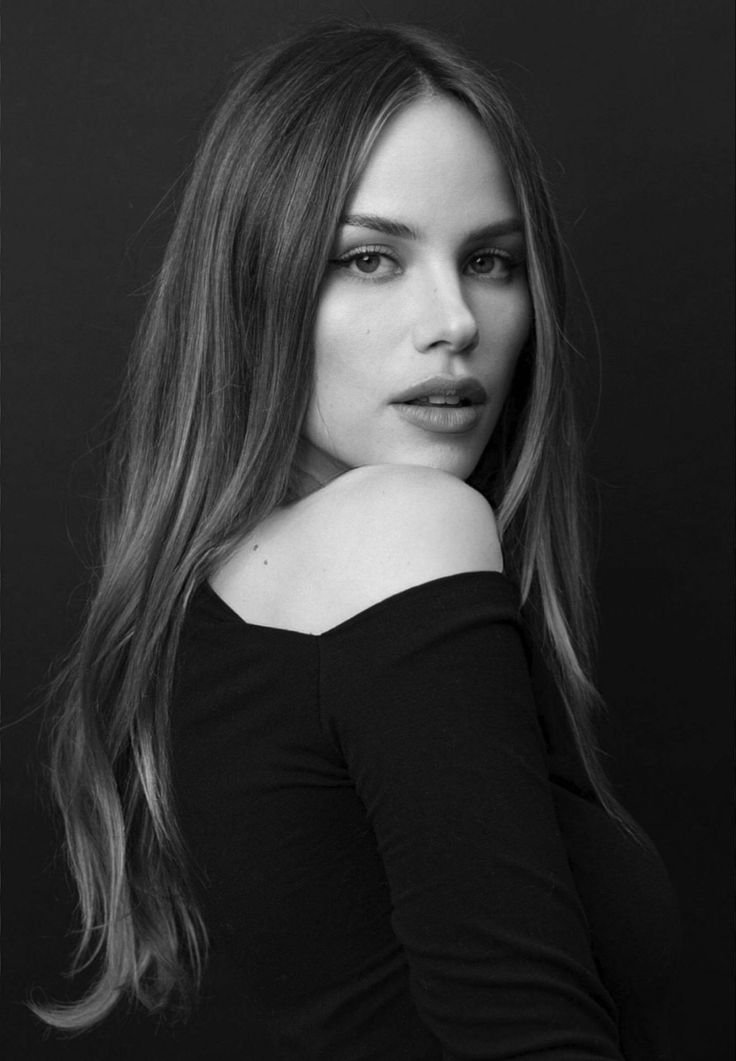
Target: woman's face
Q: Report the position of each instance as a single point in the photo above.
(425, 305)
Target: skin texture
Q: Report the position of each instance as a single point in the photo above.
(395, 309)
(369, 534)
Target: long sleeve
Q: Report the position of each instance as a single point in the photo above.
(428, 699)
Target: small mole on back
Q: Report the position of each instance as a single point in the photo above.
(254, 548)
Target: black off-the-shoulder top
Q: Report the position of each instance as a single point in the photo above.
(395, 849)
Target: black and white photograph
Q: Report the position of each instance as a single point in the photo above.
(367, 531)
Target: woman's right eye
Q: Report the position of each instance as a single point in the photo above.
(368, 263)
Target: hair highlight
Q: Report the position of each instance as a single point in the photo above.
(217, 390)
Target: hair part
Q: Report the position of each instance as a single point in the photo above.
(217, 390)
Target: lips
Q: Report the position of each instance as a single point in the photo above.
(443, 405)
(443, 392)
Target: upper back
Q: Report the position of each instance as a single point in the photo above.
(371, 533)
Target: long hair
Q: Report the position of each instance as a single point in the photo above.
(218, 386)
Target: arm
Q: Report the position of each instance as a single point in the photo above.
(439, 731)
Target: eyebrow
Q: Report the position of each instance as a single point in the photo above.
(506, 227)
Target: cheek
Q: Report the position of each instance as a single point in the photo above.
(340, 377)
(350, 336)
(505, 329)
(331, 346)
(519, 318)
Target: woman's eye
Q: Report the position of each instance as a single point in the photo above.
(372, 264)
(496, 265)
(367, 263)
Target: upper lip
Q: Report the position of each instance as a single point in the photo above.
(447, 386)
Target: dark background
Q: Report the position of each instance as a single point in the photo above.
(630, 105)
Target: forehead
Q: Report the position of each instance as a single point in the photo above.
(434, 157)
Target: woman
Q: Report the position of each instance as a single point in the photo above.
(325, 790)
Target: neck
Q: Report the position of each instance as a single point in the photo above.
(314, 468)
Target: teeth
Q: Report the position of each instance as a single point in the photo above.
(440, 399)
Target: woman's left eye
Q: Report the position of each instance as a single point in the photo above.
(494, 264)
(368, 263)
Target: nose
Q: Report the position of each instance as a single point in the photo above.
(444, 318)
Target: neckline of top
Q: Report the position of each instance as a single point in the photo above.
(365, 613)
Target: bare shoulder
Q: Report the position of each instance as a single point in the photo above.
(398, 506)
(382, 529)
(366, 536)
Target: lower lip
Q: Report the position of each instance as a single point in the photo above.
(445, 419)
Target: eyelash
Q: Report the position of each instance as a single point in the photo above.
(374, 250)
(369, 250)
